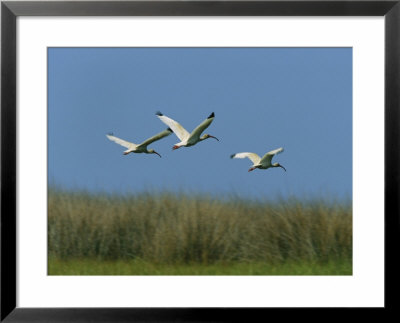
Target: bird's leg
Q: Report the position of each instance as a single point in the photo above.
(252, 168)
(175, 147)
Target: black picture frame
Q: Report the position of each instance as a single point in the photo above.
(10, 10)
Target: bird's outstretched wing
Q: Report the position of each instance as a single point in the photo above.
(156, 137)
(179, 131)
(268, 156)
(124, 143)
(252, 156)
(202, 126)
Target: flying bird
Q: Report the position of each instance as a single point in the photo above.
(261, 163)
(141, 148)
(187, 139)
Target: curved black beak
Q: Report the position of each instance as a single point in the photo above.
(213, 137)
(157, 153)
(282, 167)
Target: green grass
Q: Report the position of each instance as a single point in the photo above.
(137, 267)
(182, 234)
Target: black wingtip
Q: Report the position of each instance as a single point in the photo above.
(233, 155)
(169, 129)
(212, 115)
(159, 113)
(110, 134)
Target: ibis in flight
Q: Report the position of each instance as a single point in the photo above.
(187, 139)
(261, 163)
(141, 148)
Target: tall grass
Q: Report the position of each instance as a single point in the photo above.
(169, 228)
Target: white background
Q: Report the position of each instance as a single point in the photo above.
(363, 288)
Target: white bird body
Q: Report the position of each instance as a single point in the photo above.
(260, 162)
(187, 139)
(140, 148)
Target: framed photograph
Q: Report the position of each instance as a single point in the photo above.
(197, 160)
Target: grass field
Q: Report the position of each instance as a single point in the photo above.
(182, 234)
(138, 267)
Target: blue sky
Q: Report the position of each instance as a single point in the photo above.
(263, 98)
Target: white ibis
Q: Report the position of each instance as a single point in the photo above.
(261, 163)
(187, 139)
(141, 148)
